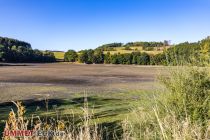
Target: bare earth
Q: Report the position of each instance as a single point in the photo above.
(60, 80)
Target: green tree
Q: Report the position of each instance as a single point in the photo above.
(90, 55)
(107, 58)
(98, 57)
(70, 56)
(1, 52)
(143, 59)
(127, 58)
(135, 56)
(83, 56)
(114, 59)
(158, 59)
(86, 56)
(205, 51)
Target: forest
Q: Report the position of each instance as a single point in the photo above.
(12, 50)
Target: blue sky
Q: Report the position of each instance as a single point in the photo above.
(84, 24)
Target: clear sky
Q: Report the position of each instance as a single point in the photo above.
(84, 24)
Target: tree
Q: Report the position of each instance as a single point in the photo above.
(90, 54)
(70, 56)
(83, 56)
(127, 58)
(98, 57)
(205, 50)
(110, 47)
(49, 56)
(158, 59)
(114, 59)
(1, 52)
(86, 56)
(143, 59)
(134, 57)
(107, 58)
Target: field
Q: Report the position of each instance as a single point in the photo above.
(59, 55)
(111, 90)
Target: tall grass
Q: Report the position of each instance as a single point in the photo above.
(86, 130)
(180, 112)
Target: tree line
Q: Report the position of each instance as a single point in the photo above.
(144, 45)
(197, 53)
(12, 50)
(182, 53)
(98, 57)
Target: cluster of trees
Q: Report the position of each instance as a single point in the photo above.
(146, 44)
(12, 50)
(98, 57)
(149, 46)
(85, 56)
(110, 47)
(195, 53)
(132, 58)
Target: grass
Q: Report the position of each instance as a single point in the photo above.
(109, 109)
(180, 111)
(59, 55)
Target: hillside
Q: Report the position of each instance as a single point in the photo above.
(122, 50)
(151, 48)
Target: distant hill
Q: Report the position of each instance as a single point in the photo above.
(148, 47)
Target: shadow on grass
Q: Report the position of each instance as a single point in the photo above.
(111, 129)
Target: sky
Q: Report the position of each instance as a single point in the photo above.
(84, 24)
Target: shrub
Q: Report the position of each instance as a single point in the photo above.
(70, 56)
(180, 111)
(188, 93)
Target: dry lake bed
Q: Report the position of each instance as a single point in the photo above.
(61, 80)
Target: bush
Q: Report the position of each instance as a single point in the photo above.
(180, 111)
(70, 56)
(188, 94)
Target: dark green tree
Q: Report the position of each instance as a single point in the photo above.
(135, 56)
(70, 56)
(143, 59)
(98, 57)
(107, 58)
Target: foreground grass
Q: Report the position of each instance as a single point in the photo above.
(109, 110)
(181, 111)
(178, 111)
